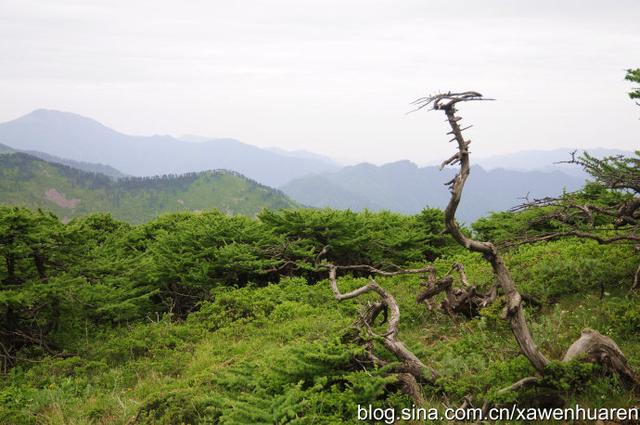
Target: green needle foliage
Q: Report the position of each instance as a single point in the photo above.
(633, 75)
(210, 318)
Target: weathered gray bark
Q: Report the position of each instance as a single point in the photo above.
(466, 301)
(411, 363)
(592, 346)
(411, 370)
(514, 312)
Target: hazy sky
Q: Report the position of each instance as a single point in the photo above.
(334, 77)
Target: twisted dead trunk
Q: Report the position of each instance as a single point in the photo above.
(592, 346)
(411, 363)
(514, 311)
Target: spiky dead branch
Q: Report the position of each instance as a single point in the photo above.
(514, 312)
(592, 346)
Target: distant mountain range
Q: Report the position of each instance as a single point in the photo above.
(29, 181)
(403, 186)
(549, 160)
(497, 183)
(78, 138)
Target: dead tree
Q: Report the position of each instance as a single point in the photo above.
(592, 346)
(467, 301)
(411, 371)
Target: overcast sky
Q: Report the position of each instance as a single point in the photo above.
(329, 76)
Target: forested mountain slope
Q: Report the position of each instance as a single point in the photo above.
(29, 181)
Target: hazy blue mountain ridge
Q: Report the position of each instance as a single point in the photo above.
(497, 182)
(545, 160)
(78, 138)
(403, 186)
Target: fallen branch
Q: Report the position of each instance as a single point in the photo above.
(466, 301)
(412, 369)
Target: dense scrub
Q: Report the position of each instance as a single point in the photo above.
(61, 281)
(208, 318)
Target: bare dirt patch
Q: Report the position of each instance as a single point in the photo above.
(59, 199)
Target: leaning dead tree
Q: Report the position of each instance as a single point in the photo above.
(411, 371)
(591, 346)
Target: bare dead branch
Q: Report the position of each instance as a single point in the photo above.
(514, 312)
(523, 383)
(463, 276)
(374, 270)
(591, 346)
(410, 362)
(636, 279)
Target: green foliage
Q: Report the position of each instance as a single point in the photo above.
(503, 226)
(614, 172)
(633, 75)
(381, 239)
(507, 372)
(207, 250)
(96, 271)
(210, 318)
(571, 265)
(568, 376)
(624, 316)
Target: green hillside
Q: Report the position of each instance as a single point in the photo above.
(211, 319)
(68, 192)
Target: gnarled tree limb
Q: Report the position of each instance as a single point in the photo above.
(515, 312)
(594, 347)
(466, 301)
(591, 346)
(410, 363)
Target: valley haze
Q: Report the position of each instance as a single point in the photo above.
(307, 178)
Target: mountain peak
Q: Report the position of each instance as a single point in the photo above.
(49, 114)
(68, 122)
(72, 136)
(404, 164)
